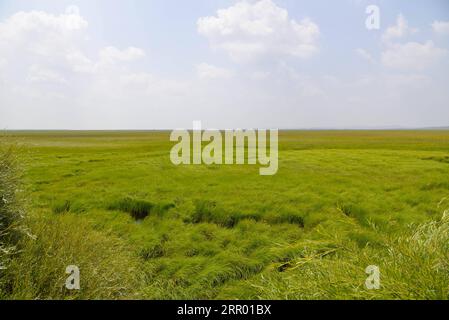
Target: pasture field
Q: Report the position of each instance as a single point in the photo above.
(140, 227)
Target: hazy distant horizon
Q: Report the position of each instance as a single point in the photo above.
(394, 128)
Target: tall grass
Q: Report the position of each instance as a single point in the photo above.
(108, 268)
(341, 201)
(413, 266)
(33, 263)
(11, 212)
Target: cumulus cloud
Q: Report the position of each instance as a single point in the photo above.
(79, 62)
(42, 34)
(45, 42)
(259, 75)
(399, 30)
(112, 54)
(249, 30)
(408, 56)
(365, 55)
(207, 71)
(3, 62)
(51, 72)
(441, 27)
(412, 55)
(410, 81)
(56, 41)
(41, 74)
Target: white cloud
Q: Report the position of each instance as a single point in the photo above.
(408, 56)
(411, 81)
(3, 62)
(41, 74)
(41, 33)
(38, 42)
(56, 41)
(259, 75)
(412, 55)
(248, 30)
(207, 71)
(53, 73)
(310, 90)
(441, 27)
(79, 62)
(112, 54)
(365, 55)
(400, 30)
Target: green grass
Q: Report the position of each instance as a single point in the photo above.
(341, 200)
(11, 208)
(108, 267)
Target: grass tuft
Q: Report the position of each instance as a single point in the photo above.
(140, 209)
(62, 207)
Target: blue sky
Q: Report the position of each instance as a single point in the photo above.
(271, 63)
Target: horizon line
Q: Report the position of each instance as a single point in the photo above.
(393, 128)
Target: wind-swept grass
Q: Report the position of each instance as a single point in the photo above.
(412, 266)
(340, 201)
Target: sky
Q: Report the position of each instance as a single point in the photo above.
(162, 64)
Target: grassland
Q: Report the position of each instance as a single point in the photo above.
(140, 227)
